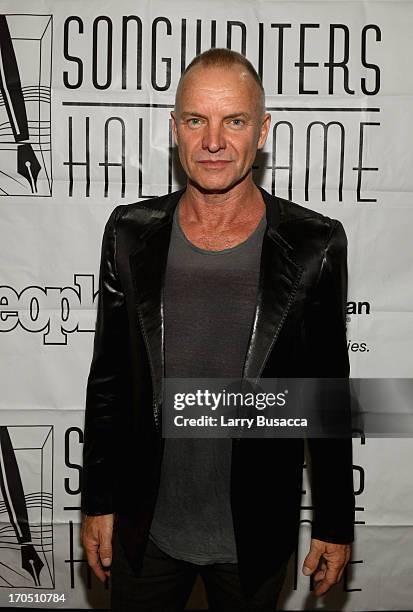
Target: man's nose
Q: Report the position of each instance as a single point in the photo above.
(213, 139)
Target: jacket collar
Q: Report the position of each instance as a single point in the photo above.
(279, 279)
(162, 209)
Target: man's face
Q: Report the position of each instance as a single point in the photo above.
(218, 126)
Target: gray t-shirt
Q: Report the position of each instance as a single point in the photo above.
(209, 304)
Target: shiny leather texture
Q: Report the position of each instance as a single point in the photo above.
(299, 330)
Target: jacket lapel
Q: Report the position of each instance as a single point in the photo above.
(148, 265)
(278, 283)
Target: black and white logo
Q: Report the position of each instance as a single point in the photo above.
(26, 507)
(25, 109)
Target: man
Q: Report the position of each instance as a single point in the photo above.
(218, 280)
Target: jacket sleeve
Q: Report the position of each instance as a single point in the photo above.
(331, 458)
(104, 383)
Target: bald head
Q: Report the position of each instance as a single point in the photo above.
(229, 61)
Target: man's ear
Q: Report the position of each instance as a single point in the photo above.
(174, 127)
(265, 126)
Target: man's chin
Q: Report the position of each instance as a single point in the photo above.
(215, 187)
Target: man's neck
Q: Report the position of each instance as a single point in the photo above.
(241, 205)
(220, 221)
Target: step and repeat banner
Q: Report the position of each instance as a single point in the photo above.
(86, 94)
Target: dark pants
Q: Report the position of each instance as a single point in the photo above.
(166, 583)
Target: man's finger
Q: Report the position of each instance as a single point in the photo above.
(94, 562)
(322, 587)
(331, 577)
(311, 561)
(320, 575)
(105, 554)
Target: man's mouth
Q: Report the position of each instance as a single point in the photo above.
(214, 163)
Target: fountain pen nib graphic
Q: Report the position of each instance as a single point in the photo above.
(27, 165)
(31, 562)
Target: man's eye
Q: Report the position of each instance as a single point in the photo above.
(194, 122)
(237, 122)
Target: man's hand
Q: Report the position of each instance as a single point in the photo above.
(334, 560)
(96, 535)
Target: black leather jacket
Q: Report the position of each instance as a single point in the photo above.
(298, 331)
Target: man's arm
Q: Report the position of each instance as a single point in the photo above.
(102, 398)
(330, 458)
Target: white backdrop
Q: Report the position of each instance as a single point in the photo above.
(97, 81)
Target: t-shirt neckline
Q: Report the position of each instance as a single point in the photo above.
(221, 251)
